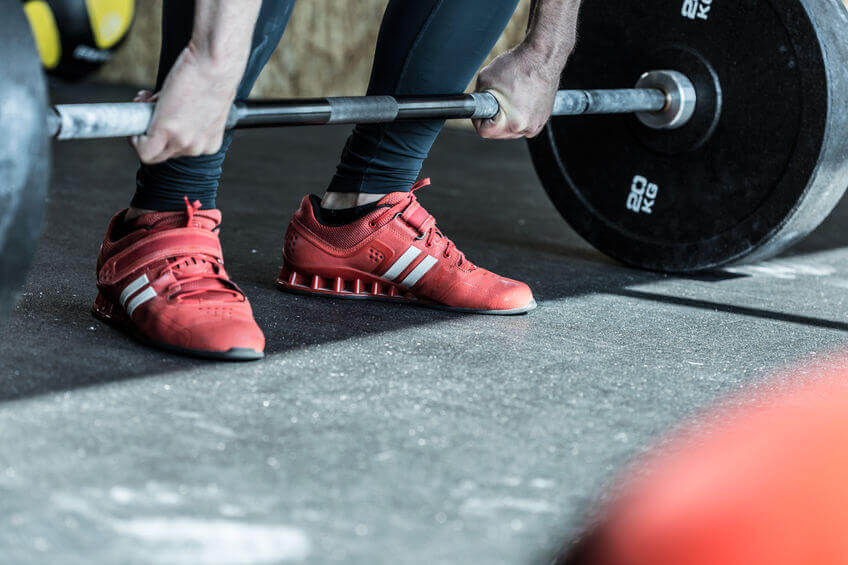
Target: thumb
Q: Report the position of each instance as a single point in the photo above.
(143, 96)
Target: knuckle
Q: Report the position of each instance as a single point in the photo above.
(170, 131)
(182, 141)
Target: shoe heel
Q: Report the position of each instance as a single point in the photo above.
(300, 281)
(108, 311)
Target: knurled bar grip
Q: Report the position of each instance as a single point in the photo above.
(92, 121)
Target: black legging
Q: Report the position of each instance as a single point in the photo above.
(424, 47)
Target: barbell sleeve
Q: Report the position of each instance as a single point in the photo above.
(93, 121)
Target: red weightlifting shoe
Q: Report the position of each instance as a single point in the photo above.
(394, 252)
(165, 283)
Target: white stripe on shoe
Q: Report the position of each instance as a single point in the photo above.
(402, 263)
(140, 299)
(132, 288)
(419, 271)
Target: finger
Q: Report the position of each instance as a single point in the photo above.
(150, 147)
(488, 129)
(503, 124)
(146, 96)
(535, 131)
(214, 147)
(526, 131)
(170, 151)
(142, 96)
(493, 128)
(198, 147)
(504, 129)
(511, 135)
(496, 133)
(518, 131)
(484, 128)
(216, 141)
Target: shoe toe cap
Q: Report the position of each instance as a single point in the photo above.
(223, 337)
(516, 296)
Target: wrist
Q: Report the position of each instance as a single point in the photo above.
(225, 66)
(544, 60)
(552, 32)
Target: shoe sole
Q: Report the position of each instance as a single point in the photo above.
(121, 323)
(380, 292)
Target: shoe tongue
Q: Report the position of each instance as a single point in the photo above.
(189, 266)
(392, 198)
(203, 219)
(388, 200)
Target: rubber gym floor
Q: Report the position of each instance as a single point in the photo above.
(371, 433)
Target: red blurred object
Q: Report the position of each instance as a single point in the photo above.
(763, 479)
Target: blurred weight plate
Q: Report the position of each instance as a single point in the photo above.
(24, 151)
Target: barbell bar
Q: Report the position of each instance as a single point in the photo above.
(664, 99)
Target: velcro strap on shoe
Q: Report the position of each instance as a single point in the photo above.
(416, 216)
(159, 246)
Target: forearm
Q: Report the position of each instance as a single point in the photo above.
(222, 34)
(195, 99)
(552, 32)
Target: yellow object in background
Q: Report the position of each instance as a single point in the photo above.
(76, 37)
(110, 20)
(45, 32)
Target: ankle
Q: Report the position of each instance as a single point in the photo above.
(133, 213)
(342, 200)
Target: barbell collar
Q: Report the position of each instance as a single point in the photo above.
(681, 100)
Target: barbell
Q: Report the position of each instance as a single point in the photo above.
(662, 99)
(734, 149)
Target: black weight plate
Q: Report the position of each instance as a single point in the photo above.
(760, 165)
(24, 151)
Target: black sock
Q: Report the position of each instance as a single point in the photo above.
(341, 217)
(123, 228)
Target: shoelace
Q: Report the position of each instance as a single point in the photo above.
(197, 268)
(428, 230)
